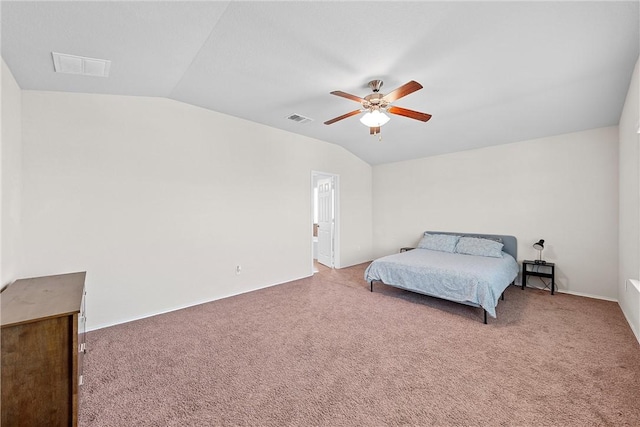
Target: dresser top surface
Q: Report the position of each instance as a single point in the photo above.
(37, 298)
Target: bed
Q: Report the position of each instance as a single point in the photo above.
(472, 269)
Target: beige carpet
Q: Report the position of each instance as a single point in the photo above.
(326, 351)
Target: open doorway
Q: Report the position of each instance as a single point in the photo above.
(324, 218)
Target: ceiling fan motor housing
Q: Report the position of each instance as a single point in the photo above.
(374, 101)
(375, 85)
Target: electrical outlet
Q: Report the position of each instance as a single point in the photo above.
(238, 269)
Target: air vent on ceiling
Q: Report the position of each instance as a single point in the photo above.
(299, 119)
(72, 64)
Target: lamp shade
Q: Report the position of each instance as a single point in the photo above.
(374, 119)
(539, 245)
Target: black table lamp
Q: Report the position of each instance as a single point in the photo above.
(539, 246)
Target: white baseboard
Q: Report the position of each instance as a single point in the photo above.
(632, 292)
(106, 325)
(634, 329)
(581, 294)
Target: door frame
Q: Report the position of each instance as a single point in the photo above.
(315, 175)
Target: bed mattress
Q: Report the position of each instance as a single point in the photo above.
(468, 279)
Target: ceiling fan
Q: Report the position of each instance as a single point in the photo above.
(377, 103)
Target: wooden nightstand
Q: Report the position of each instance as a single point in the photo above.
(539, 269)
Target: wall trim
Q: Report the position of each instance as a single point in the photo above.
(635, 331)
(182, 307)
(581, 294)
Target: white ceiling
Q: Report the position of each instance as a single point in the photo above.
(493, 72)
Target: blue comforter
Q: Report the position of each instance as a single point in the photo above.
(469, 279)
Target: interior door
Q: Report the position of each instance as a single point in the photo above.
(325, 221)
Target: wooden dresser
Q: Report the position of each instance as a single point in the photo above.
(42, 348)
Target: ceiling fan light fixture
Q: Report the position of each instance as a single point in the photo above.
(373, 119)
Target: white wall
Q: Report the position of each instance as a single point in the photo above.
(629, 266)
(10, 178)
(159, 201)
(563, 189)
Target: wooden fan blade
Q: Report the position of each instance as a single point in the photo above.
(423, 117)
(344, 116)
(374, 130)
(403, 90)
(347, 95)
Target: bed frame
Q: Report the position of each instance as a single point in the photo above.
(510, 246)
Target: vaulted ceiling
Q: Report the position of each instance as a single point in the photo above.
(493, 72)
